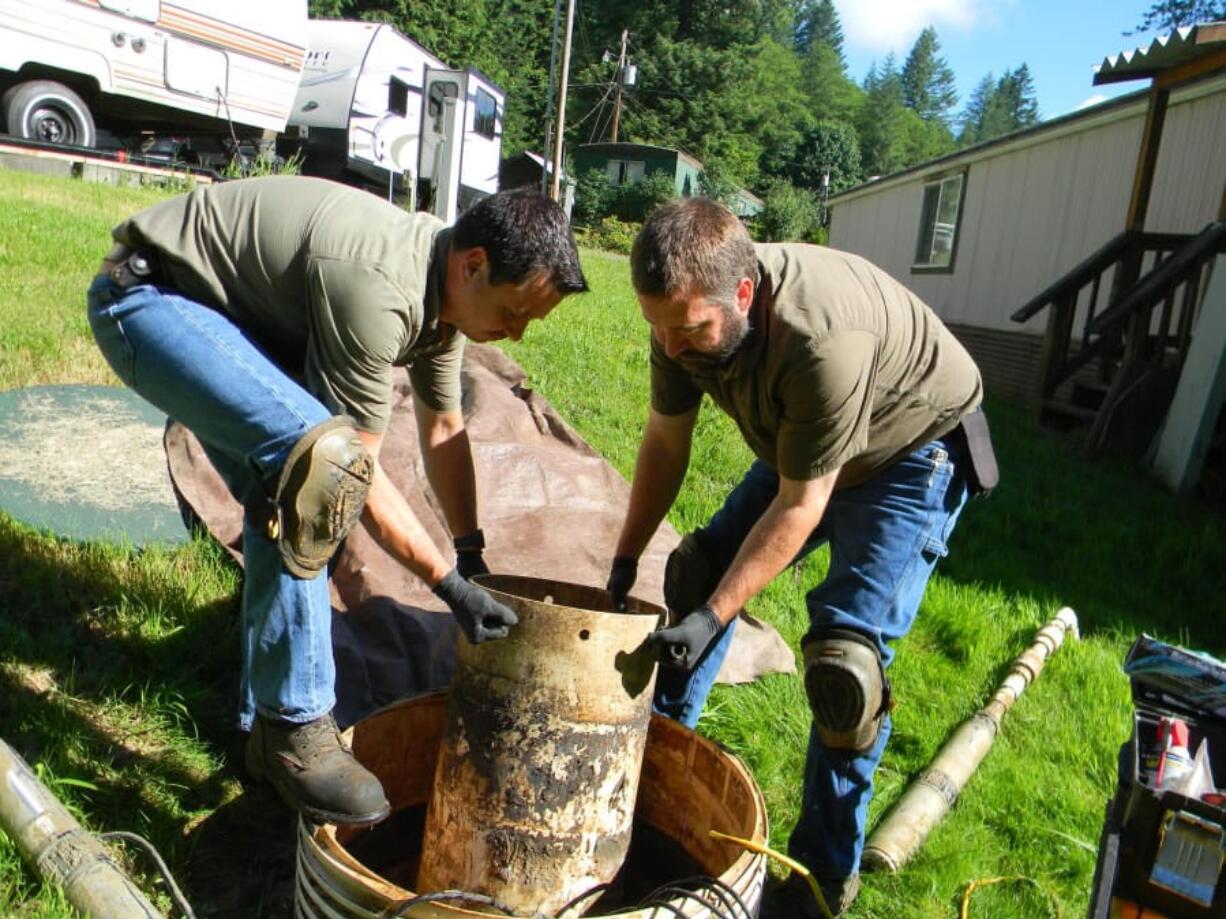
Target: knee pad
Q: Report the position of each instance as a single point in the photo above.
(847, 689)
(690, 577)
(320, 495)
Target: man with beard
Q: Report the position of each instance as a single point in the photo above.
(862, 410)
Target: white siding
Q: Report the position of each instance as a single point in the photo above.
(1035, 208)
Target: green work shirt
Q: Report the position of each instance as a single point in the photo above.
(335, 284)
(844, 368)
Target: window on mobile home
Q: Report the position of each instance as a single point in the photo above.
(486, 117)
(938, 229)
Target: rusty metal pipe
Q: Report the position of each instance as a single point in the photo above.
(926, 802)
(60, 850)
(533, 796)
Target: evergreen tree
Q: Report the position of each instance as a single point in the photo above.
(999, 108)
(927, 82)
(973, 114)
(817, 23)
(1167, 15)
(882, 120)
(828, 145)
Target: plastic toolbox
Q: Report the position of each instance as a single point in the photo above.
(1163, 850)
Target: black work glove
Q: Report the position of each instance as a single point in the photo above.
(468, 559)
(683, 644)
(622, 575)
(481, 616)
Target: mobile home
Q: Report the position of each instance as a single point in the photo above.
(71, 67)
(377, 109)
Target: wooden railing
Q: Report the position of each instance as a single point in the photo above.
(1092, 288)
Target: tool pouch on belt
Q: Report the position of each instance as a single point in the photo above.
(320, 495)
(982, 473)
(690, 577)
(847, 689)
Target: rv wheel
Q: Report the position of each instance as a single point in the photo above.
(47, 111)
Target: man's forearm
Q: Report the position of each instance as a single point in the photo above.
(772, 543)
(398, 530)
(449, 469)
(658, 474)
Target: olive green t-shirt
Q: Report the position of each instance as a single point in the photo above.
(844, 367)
(335, 284)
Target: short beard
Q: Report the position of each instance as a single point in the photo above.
(735, 331)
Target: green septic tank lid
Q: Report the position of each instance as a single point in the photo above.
(86, 463)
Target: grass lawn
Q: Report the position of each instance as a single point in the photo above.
(118, 668)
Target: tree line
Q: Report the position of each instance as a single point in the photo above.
(758, 90)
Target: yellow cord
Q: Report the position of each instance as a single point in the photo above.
(782, 859)
(985, 882)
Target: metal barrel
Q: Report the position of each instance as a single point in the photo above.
(689, 786)
(56, 846)
(533, 795)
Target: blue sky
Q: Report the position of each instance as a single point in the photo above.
(1059, 40)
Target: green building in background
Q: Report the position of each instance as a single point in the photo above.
(626, 164)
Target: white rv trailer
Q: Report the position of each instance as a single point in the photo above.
(375, 108)
(220, 66)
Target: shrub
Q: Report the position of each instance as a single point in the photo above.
(788, 213)
(611, 235)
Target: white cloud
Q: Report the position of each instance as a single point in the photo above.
(1092, 100)
(880, 26)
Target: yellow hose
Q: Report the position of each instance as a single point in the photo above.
(782, 859)
(987, 882)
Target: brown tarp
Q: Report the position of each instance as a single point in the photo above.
(550, 506)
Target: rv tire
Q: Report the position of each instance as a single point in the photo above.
(47, 111)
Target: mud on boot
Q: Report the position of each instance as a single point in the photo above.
(314, 772)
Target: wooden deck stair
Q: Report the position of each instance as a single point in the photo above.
(1118, 329)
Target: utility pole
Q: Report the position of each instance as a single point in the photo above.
(617, 102)
(557, 141)
(553, 61)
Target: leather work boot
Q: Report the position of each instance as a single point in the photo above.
(793, 899)
(314, 772)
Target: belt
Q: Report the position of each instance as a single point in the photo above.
(129, 267)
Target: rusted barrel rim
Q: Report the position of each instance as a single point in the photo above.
(519, 589)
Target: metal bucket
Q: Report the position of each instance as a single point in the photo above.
(689, 786)
(533, 799)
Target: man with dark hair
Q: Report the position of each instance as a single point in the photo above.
(862, 410)
(267, 316)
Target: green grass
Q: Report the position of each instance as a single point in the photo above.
(118, 668)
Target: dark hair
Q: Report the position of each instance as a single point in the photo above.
(692, 244)
(523, 233)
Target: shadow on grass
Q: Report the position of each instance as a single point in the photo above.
(1103, 539)
(68, 654)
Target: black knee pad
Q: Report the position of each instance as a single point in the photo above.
(320, 495)
(847, 688)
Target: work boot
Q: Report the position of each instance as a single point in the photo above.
(793, 898)
(314, 772)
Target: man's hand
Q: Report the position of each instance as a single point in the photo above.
(683, 644)
(468, 559)
(481, 616)
(622, 575)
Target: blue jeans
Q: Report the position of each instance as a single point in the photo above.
(197, 366)
(885, 538)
